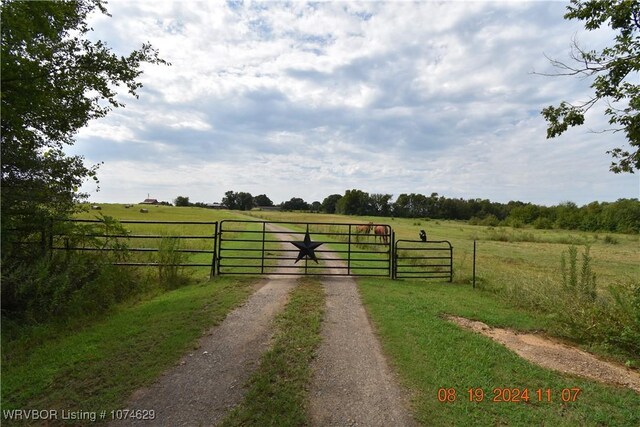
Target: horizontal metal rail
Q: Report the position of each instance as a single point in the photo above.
(193, 251)
(156, 264)
(141, 237)
(137, 221)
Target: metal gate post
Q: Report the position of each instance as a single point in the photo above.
(215, 249)
(264, 225)
(306, 259)
(219, 242)
(349, 253)
(451, 264)
(392, 239)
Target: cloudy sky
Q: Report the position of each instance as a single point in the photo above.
(310, 99)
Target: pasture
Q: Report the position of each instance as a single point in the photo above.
(518, 284)
(504, 253)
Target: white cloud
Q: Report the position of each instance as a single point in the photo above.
(309, 99)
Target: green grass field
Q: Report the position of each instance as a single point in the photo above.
(432, 354)
(503, 251)
(72, 365)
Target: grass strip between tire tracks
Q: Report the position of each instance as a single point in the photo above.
(278, 390)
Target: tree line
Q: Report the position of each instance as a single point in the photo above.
(621, 216)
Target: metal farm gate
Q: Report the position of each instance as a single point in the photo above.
(423, 259)
(266, 247)
(302, 248)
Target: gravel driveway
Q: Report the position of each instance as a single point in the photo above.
(352, 384)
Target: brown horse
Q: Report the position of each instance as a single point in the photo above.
(381, 231)
(364, 229)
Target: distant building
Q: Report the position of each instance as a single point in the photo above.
(150, 202)
(215, 205)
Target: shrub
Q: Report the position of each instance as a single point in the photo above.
(515, 223)
(169, 259)
(474, 220)
(624, 316)
(542, 223)
(60, 284)
(64, 285)
(490, 220)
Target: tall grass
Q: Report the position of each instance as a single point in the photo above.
(607, 316)
(170, 258)
(505, 235)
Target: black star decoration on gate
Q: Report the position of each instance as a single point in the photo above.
(306, 248)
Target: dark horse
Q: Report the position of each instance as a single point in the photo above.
(381, 231)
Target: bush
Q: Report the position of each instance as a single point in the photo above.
(474, 220)
(543, 223)
(490, 221)
(64, 285)
(58, 284)
(515, 223)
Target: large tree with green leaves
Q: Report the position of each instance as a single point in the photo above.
(54, 81)
(615, 71)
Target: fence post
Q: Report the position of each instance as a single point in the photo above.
(264, 236)
(219, 242)
(349, 253)
(474, 263)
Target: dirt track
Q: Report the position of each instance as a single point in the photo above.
(556, 356)
(209, 381)
(352, 383)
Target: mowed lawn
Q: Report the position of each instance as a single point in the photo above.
(429, 354)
